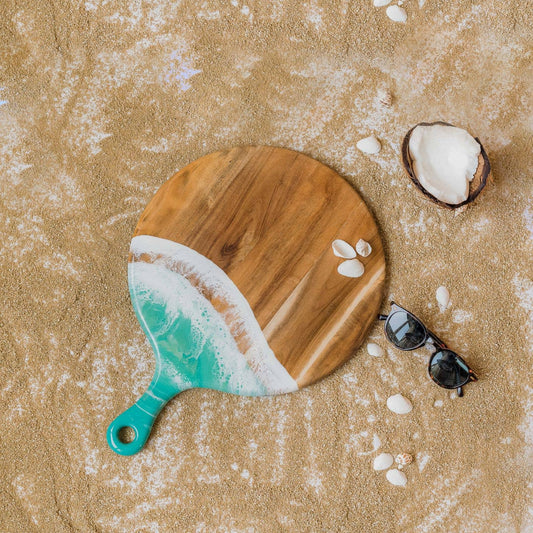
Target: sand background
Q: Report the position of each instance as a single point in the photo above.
(101, 103)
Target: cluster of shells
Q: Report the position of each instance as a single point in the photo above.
(395, 475)
(394, 12)
(400, 405)
(351, 267)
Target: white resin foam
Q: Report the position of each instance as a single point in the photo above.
(207, 278)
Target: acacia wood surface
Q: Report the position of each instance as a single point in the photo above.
(267, 216)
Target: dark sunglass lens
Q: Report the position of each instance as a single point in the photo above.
(404, 331)
(448, 370)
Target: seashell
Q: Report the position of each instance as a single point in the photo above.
(396, 477)
(443, 298)
(374, 349)
(481, 176)
(383, 461)
(343, 249)
(353, 268)
(399, 404)
(369, 145)
(381, 3)
(403, 459)
(385, 97)
(363, 248)
(396, 13)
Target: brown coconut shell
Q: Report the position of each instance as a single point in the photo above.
(482, 175)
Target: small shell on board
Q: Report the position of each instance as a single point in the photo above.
(343, 249)
(352, 268)
(363, 248)
(399, 404)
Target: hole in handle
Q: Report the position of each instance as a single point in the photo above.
(126, 434)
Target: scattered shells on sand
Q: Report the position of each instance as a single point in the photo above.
(396, 477)
(397, 13)
(385, 97)
(369, 145)
(399, 404)
(381, 3)
(383, 461)
(352, 268)
(403, 459)
(374, 349)
(343, 249)
(363, 248)
(443, 297)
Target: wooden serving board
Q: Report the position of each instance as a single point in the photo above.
(234, 281)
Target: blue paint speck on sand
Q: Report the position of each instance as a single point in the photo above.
(2, 102)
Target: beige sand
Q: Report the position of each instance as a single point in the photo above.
(105, 100)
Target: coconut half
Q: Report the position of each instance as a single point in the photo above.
(476, 184)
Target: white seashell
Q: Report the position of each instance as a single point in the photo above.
(374, 349)
(403, 459)
(385, 97)
(396, 13)
(380, 3)
(383, 461)
(396, 477)
(353, 268)
(363, 248)
(343, 249)
(369, 145)
(443, 298)
(399, 404)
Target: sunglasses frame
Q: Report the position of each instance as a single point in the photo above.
(435, 341)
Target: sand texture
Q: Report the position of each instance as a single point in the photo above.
(101, 102)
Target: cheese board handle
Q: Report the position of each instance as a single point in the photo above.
(139, 419)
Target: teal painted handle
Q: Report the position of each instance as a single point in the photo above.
(140, 418)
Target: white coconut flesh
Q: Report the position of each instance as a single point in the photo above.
(444, 160)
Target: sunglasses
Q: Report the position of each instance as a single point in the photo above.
(407, 332)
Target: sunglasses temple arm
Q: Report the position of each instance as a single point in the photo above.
(472, 377)
(383, 317)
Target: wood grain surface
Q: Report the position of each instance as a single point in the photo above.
(267, 216)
